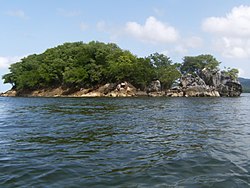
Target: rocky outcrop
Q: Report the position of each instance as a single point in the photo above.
(192, 86)
(224, 84)
(208, 83)
(10, 93)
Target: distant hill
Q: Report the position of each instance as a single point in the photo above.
(245, 84)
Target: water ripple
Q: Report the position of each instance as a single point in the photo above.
(128, 142)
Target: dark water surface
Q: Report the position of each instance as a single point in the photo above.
(125, 142)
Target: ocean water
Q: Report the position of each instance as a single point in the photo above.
(125, 142)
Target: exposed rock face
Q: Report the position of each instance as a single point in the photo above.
(191, 86)
(209, 83)
(123, 89)
(230, 89)
(155, 86)
(223, 83)
(10, 93)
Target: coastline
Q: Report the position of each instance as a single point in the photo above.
(111, 90)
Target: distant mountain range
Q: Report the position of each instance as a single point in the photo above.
(245, 84)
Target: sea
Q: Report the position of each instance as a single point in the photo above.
(125, 142)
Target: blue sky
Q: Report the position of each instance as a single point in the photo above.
(176, 28)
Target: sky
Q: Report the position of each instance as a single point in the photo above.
(176, 28)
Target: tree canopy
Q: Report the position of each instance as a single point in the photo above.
(194, 64)
(80, 65)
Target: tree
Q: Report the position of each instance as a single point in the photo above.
(231, 72)
(164, 69)
(123, 68)
(90, 64)
(160, 60)
(76, 76)
(194, 64)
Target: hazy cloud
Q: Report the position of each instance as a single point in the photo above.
(153, 31)
(17, 13)
(67, 13)
(101, 26)
(83, 26)
(193, 42)
(233, 47)
(184, 45)
(159, 12)
(5, 62)
(231, 32)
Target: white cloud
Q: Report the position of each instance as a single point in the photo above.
(233, 47)
(234, 24)
(153, 31)
(5, 62)
(17, 13)
(83, 26)
(231, 32)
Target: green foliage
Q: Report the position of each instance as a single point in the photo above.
(231, 72)
(75, 76)
(164, 69)
(194, 64)
(79, 65)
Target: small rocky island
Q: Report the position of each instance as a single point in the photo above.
(104, 70)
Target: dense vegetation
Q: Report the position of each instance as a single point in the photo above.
(79, 65)
(194, 64)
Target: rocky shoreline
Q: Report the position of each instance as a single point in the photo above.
(124, 89)
(207, 83)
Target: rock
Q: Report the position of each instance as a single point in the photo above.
(208, 83)
(190, 80)
(105, 89)
(211, 77)
(10, 93)
(200, 91)
(175, 92)
(230, 89)
(155, 86)
(223, 83)
(92, 94)
(123, 89)
(157, 94)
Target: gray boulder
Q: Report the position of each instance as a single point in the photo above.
(155, 86)
(223, 83)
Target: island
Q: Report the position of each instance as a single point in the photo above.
(97, 69)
